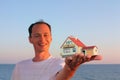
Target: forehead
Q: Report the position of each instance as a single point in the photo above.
(40, 28)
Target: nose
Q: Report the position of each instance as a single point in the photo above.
(42, 38)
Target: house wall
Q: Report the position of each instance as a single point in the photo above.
(79, 50)
(95, 51)
(68, 49)
(91, 51)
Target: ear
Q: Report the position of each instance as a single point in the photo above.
(30, 39)
(51, 38)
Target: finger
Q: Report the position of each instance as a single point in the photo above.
(68, 60)
(87, 58)
(73, 62)
(81, 58)
(96, 57)
(76, 61)
(75, 58)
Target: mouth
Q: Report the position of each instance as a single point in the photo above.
(42, 44)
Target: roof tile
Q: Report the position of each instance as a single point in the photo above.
(77, 41)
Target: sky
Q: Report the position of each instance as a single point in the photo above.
(94, 22)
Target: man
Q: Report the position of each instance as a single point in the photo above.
(43, 66)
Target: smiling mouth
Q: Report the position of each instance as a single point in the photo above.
(42, 44)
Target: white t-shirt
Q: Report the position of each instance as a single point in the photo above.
(44, 70)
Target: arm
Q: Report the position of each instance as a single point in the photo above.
(72, 64)
(15, 73)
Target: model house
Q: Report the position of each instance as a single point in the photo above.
(73, 45)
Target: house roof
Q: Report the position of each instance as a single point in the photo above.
(76, 41)
(89, 47)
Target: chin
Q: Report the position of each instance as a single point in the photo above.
(44, 50)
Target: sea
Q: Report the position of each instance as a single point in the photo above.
(84, 72)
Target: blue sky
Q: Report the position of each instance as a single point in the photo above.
(94, 22)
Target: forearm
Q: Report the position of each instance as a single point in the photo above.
(72, 64)
(65, 74)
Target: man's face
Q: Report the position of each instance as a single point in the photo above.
(41, 37)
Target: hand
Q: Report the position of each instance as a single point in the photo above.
(74, 61)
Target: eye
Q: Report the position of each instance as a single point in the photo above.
(45, 35)
(36, 35)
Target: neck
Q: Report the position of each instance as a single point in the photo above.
(41, 56)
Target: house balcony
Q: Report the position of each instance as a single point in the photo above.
(69, 46)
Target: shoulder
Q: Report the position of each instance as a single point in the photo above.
(23, 62)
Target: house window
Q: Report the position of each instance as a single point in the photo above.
(96, 50)
(74, 49)
(68, 42)
(66, 50)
